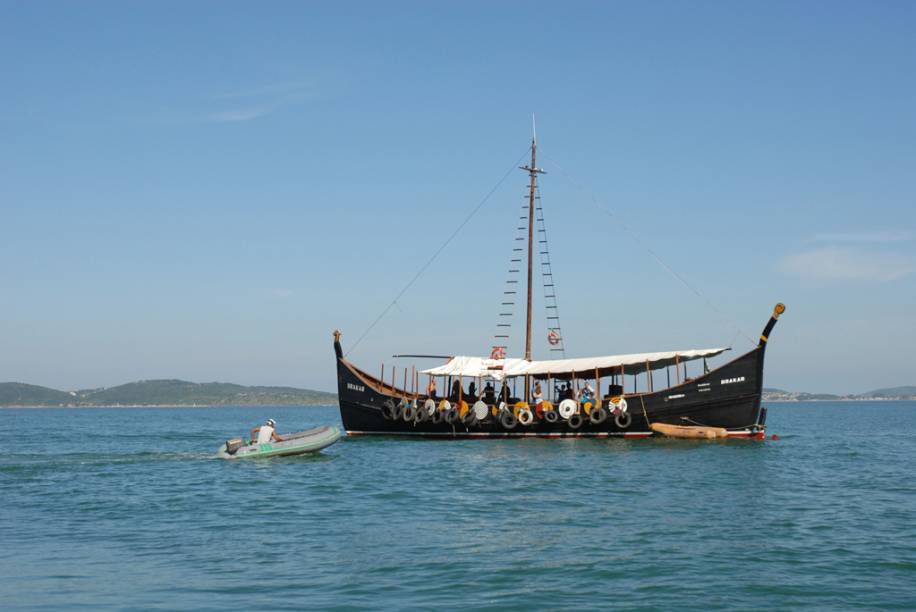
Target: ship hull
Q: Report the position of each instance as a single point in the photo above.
(727, 397)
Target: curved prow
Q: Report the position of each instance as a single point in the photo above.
(778, 310)
(337, 349)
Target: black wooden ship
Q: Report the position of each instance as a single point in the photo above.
(496, 396)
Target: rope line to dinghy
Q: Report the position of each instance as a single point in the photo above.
(642, 242)
(438, 251)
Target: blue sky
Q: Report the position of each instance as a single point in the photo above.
(206, 190)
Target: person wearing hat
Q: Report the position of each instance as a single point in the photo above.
(265, 433)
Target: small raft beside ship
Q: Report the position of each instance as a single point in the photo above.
(299, 443)
(692, 432)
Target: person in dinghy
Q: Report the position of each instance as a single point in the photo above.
(265, 433)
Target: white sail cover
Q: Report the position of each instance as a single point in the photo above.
(499, 369)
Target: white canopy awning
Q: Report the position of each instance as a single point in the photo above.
(584, 367)
(474, 367)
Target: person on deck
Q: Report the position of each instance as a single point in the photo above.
(489, 393)
(504, 393)
(431, 389)
(538, 397)
(456, 389)
(265, 433)
(587, 394)
(472, 391)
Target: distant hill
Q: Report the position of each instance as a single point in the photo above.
(21, 394)
(907, 391)
(161, 393)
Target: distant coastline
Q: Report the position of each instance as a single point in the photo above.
(169, 393)
(892, 394)
(172, 393)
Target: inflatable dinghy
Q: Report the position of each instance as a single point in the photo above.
(693, 432)
(308, 441)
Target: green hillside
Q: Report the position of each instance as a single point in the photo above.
(21, 394)
(907, 391)
(162, 393)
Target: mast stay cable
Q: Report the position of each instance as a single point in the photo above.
(438, 251)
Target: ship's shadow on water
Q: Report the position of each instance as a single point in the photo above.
(132, 509)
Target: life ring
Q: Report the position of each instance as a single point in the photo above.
(553, 337)
(525, 417)
(623, 420)
(587, 407)
(444, 406)
(388, 410)
(518, 407)
(551, 416)
(508, 420)
(429, 406)
(547, 406)
(480, 410)
(622, 404)
(598, 415)
(567, 408)
(575, 421)
(463, 408)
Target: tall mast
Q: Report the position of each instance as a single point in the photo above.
(533, 171)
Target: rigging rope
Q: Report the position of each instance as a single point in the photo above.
(544, 258)
(641, 242)
(438, 251)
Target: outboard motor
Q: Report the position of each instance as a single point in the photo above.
(234, 445)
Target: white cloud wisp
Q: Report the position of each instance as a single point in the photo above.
(840, 263)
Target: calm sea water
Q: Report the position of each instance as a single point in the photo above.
(128, 509)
